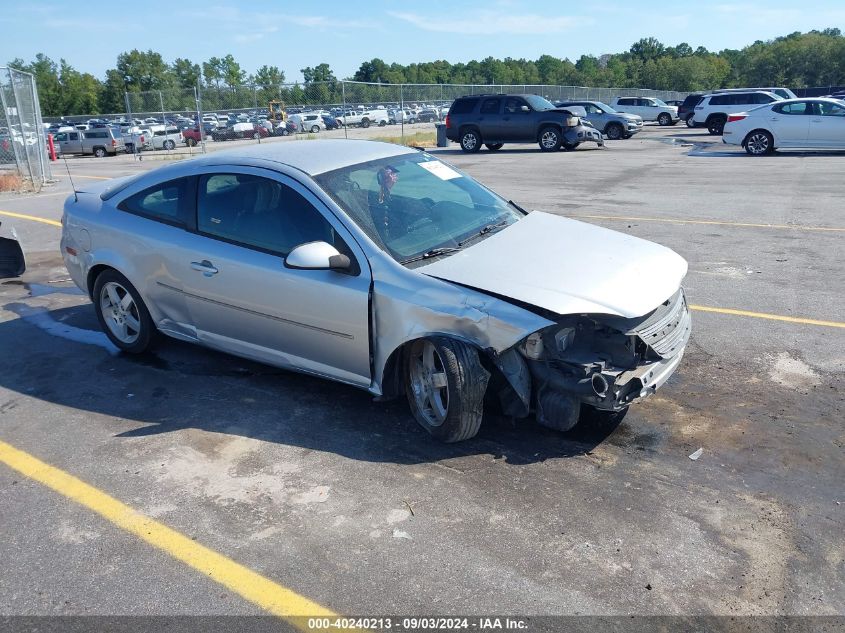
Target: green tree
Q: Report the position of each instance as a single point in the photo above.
(186, 73)
(143, 71)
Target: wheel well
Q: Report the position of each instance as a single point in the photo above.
(393, 377)
(96, 147)
(551, 125)
(466, 128)
(716, 115)
(92, 277)
(610, 124)
(759, 129)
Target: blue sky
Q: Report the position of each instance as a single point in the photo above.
(293, 35)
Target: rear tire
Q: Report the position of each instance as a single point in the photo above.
(445, 383)
(690, 122)
(190, 142)
(315, 129)
(589, 415)
(470, 141)
(759, 143)
(99, 152)
(365, 123)
(494, 147)
(169, 145)
(382, 123)
(122, 313)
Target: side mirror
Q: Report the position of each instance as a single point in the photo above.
(317, 256)
(525, 108)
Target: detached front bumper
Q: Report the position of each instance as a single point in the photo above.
(583, 134)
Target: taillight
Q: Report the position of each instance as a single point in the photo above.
(446, 121)
(113, 143)
(736, 117)
(142, 140)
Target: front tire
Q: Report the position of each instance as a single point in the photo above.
(445, 384)
(569, 147)
(716, 125)
(614, 131)
(122, 314)
(470, 141)
(550, 140)
(664, 119)
(759, 143)
(589, 415)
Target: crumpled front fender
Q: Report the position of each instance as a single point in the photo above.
(405, 313)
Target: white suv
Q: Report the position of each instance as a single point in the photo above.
(647, 108)
(713, 109)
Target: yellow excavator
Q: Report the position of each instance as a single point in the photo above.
(276, 111)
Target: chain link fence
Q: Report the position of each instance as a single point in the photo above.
(23, 142)
(186, 121)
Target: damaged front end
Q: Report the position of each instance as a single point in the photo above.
(12, 261)
(603, 361)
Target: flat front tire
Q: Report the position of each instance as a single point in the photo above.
(445, 383)
(122, 313)
(470, 141)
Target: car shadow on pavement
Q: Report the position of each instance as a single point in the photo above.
(63, 358)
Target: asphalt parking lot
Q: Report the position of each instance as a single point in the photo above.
(348, 503)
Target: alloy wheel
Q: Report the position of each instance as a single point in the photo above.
(430, 384)
(120, 312)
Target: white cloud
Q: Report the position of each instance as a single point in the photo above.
(494, 23)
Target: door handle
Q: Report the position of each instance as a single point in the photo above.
(205, 267)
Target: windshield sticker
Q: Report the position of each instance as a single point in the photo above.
(444, 172)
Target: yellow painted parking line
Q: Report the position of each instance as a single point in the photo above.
(794, 227)
(34, 218)
(265, 593)
(772, 317)
(93, 177)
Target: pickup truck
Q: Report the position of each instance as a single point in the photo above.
(134, 138)
(364, 118)
(99, 142)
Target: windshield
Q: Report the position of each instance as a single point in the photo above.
(605, 107)
(538, 103)
(662, 103)
(414, 204)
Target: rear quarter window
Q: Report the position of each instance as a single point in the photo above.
(169, 202)
(463, 106)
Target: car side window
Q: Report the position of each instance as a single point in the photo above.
(258, 212)
(800, 108)
(831, 109)
(591, 109)
(513, 105)
(490, 106)
(169, 202)
(761, 98)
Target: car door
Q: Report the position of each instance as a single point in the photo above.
(71, 143)
(595, 115)
(827, 125)
(490, 119)
(648, 109)
(518, 121)
(243, 298)
(629, 105)
(790, 123)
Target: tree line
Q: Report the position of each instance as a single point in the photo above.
(797, 60)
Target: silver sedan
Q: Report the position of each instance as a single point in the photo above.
(384, 268)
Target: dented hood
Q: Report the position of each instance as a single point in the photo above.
(567, 267)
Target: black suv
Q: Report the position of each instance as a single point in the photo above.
(493, 120)
(687, 108)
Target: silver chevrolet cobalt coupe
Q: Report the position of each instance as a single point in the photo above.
(384, 268)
